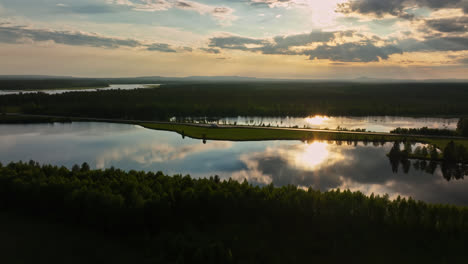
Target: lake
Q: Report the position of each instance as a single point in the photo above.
(321, 165)
(61, 91)
(370, 123)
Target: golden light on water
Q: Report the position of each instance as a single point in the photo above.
(313, 155)
(317, 120)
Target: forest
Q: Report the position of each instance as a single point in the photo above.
(179, 219)
(425, 131)
(453, 159)
(251, 99)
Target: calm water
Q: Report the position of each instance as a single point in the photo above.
(370, 123)
(111, 87)
(322, 165)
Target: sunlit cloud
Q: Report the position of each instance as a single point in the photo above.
(156, 153)
(221, 13)
(261, 38)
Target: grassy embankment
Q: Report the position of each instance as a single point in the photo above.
(256, 133)
(253, 134)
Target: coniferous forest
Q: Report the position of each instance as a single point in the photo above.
(251, 99)
(179, 219)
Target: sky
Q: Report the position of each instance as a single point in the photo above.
(316, 39)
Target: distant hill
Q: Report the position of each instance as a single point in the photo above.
(162, 79)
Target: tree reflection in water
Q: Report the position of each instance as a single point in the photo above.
(451, 170)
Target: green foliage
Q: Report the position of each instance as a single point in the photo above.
(424, 131)
(180, 219)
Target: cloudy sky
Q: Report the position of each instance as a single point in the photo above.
(415, 39)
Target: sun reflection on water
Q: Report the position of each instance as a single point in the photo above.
(313, 155)
(317, 120)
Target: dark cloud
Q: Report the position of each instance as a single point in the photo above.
(183, 4)
(455, 24)
(380, 8)
(435, 44)
(160, 47)
(234, 42)
(283, 43)
(352, 52)
(364, 51)
(211, 50)
(18, 34)
(280, 45)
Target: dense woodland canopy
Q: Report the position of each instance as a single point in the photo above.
(251, 99)
(183, 220)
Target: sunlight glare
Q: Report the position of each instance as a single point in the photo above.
(316, 120)
(312, 156)
(323, 12)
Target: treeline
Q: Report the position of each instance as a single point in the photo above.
(425, 131)
(251, 99)
(451, 153)
(44, 84)
(453, 160)
(462, 130)
(183, 220)
(17, 119)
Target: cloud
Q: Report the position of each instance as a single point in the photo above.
(234, 42)
(340, 46)
(455, 24)
(435, 44)
(271, 3)
(398, 8)
(86, 9)
(352, 52)
(19, 34)
(362, 51)
(221, 13)
(211, 50)
(157, 153)
(160, 47)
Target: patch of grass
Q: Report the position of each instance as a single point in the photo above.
(254, 134)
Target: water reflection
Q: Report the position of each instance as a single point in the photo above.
(61, 91)
(362, 166)
(369, 123)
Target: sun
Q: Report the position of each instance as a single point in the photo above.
(323, 11)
